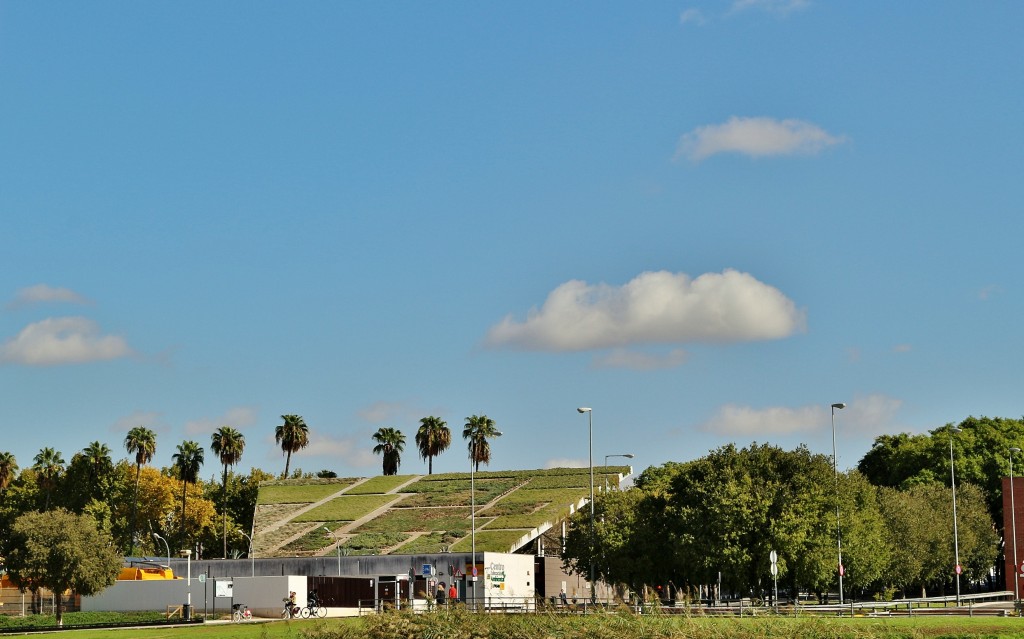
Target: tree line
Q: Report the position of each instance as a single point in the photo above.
(714, 521)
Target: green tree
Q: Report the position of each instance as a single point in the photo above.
(140, 442)
(61, 551)
(187, 461)
(390, 444)
(227, 444)
(292, 436)
(88, 477)
(8, 470)
(432, 439)
(477, 430)
(49, 464)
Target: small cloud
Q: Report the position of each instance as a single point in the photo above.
(566, 463)
(901, 348)
(43, 293)
(654, 308)
(150, 419)
(692, 16)
(988, 291)
(756, 137)
(743, 421)
(872, 414)
(62, 340)
(622, 358)
(239, 417)
(386, 412)
(345, 449)
(771, 6)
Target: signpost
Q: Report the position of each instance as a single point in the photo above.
(774, 568)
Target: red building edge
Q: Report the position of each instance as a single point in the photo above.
(1011, 513)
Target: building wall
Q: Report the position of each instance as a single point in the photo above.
(1008, 521)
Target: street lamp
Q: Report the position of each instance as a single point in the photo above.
(187, 554)
(251, 558)
(835, 471)
(167, 546)
(590, 415)
(472, 511)
(956, 539)
(626, 455)
(337, 547)
(1013, 520)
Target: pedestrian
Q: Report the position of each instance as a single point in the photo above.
(561, 595)
(453, 594)
(439, 596)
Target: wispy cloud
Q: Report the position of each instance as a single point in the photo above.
(238, 417)
(622, 358)
(62, 340)
(755, 137)
(381, 412)
(987, 292)
(44, 293)
(654, 308)
(902, 348)
(864, 414)
(564, 462)
(150, 419)
(344, 449)
(771, 6)
(692, 16)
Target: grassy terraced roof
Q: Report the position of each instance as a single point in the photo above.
(418, 513)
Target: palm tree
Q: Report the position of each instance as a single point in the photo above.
(98, 455)
(477, 430)
(188, 460)
(390, 444)
(141, 442)
(293, 436)
(227, 444)
(432, 438)
(8, 469)
(49, 464)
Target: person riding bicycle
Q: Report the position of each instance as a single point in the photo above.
(293, 606)
(312, 600)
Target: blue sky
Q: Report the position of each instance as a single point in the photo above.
(706, 220)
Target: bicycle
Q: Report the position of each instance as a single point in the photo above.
(313, 610)
(240, 612)
(290, 611)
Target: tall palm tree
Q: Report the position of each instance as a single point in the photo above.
(140, 442)
(432, 438)
(49, 464)
(478, 429)
(188, 460)
(8, 469)
(390, 444)
(293, 436)
(98, 455)
(228, 445)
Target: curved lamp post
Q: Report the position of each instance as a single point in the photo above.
(626, 455)
(956, 538)
(835, 471)
(337, 547)
(590, 415)
(167, 546)
(472, 515)
(252, 560)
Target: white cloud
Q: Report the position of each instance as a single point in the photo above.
(62, 340)
(622, 358)
(987, 292)
(772, 6)
(382, 412)
(150, 419)
(864, 415)
(566, 463)
(238, 417)
(755, 137)
(692, 16)
(655, 307)
(43, 293)
(343, 449)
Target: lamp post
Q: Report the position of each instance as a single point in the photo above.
(187, 554)
(167, 546)
(252, 559)
(956, 538)
(626, 455)
(1013, 521)
(337, 547)
(590, 416)
(835, 471)
(472, 512)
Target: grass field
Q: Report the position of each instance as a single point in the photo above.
(459, 623)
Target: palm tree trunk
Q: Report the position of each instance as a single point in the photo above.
(225, 509)
(287, 463)
(135, 504)
(184, 494)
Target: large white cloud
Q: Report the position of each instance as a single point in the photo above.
(42, 293)
(756, 137)
(654, 308)
(62, 340)
(864, 415)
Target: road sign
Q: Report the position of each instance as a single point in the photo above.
(427, 570)
(959, 570)
(774, 556)
(1022, 567)
(774, 568)
(474, 571)
(842, 570)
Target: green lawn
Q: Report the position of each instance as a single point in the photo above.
(347, 508)
(306, 494)
(380, 485)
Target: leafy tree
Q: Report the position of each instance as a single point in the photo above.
(187, 461)
(140, 442)
(292, 436)
(61, 551)
(88, 477)
(477, 431)
(390, 444)
(228, 445)
(49, 464)
(8, 470)
(432, 439)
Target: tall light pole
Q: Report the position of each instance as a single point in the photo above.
(835, 471)
(337, 547)
(956, 538)
(472, 511)
(252, 559)
(626, 455)
(590, 414)
(1013, 521)
(167, 546)
(187, 554)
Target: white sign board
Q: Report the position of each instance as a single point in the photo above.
(224, 589)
